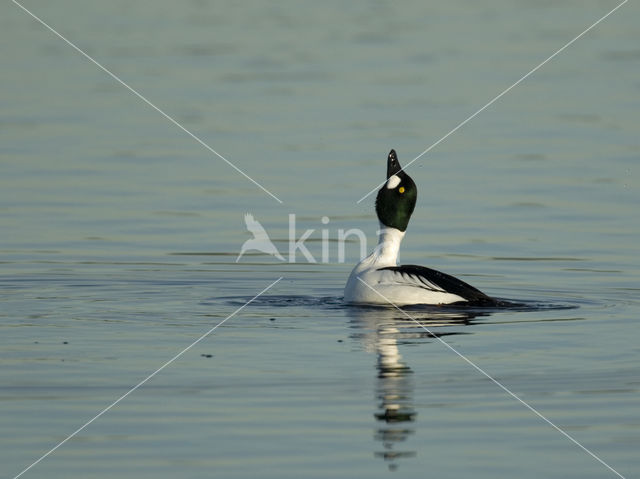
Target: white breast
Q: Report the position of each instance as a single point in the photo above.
(373, 286)
(370, 285)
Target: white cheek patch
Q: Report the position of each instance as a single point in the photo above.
(392, 182)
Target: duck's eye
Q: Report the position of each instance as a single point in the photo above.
(401, 189)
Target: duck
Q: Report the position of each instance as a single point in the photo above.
(378, 279)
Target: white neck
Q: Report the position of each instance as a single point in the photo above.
(386, 253)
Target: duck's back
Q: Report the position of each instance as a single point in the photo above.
(411, 284)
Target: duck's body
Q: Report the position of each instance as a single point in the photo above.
(378, 279)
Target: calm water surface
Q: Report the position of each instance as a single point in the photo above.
(119, 235)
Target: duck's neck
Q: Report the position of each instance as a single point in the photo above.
(386, 253)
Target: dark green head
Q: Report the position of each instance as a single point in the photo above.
(397, 198)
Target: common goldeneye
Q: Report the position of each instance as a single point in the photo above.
(378, 279)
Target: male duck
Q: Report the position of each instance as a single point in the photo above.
(378, 279)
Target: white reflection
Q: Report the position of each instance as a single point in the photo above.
(382, 331)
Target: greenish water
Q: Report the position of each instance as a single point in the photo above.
(119, 235)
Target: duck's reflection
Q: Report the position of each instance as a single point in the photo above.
(382, 331)
(394, 391)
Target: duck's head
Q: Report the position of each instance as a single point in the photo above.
(397, 198)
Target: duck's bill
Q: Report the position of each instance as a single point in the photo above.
(393, 165)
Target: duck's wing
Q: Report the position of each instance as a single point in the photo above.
(432, 280)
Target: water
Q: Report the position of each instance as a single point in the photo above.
(119, 235)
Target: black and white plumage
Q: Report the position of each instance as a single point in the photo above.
(378, 279)
(439, 282)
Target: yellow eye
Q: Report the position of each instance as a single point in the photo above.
(401, 189)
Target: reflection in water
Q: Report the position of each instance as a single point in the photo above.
(381, 332)
(395, 395)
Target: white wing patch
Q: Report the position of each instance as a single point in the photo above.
(406, 279)
(393, 181)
